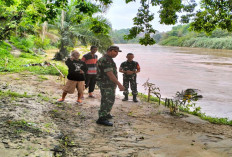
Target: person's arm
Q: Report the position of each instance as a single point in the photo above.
(137, 68)
(68, 62)
(124, 72)
(121, 70)
(112, 77)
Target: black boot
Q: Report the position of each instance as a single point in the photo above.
(125, 98)
(109, 116)
(134, 98)
(104, 121)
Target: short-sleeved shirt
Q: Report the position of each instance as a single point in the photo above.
(91, 61)
(132, 66)
(104, 65)
(74, 68)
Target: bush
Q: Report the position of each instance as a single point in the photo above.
(171, 41)
(42, 44)
(5, 49)
(25, 44)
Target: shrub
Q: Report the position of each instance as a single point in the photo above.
(25, 44)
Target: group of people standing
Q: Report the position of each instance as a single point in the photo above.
(86, 72)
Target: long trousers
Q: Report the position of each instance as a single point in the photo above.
(90, 82)
(107, 101)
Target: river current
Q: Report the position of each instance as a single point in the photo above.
(175, 69)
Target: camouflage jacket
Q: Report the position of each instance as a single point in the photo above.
(104, 65)
(132, 66)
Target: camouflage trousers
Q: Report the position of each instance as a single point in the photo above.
(133, 84)
(107, 100)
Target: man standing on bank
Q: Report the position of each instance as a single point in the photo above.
(90, 60)
(107, 80)
(130, 69)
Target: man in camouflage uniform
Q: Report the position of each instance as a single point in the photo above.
(107, 80)
(129, 69)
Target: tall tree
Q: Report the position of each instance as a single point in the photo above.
(87, 29)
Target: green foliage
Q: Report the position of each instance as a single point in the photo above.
(197, 112)
(86, 29)
(22, 63)
(180, 36)
(215, 14)
(13, 94)
(171, 41)
(41, 44)
(118, 37)
(25, 44)
(153, 99)
(4, 50)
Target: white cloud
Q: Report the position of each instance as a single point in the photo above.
(121, 15)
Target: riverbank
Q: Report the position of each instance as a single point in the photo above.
(33, 124)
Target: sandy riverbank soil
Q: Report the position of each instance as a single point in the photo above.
(35, 125)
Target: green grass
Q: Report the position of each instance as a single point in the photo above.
(203, 116)
(8, 63)
(196, 111)
(13, 94)
(153, 99)
(23, 62)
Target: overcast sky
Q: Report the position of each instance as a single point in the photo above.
(121, 14)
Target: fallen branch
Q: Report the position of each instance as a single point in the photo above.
(61, 74)
(58, 70)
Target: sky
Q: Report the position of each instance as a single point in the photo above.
(121, 14)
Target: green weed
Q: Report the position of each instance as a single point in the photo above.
(14, 94)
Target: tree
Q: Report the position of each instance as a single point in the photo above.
(213, 14)
(87, 29)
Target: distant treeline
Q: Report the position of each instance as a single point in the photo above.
(118, 37)
(180, 36)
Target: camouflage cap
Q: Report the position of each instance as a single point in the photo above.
(116, 48)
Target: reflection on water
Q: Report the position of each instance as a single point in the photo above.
(174, 69)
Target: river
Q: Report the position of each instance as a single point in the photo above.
(175, 69)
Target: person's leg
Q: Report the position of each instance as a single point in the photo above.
(68, 88)
(80, 90)
(126, 85)
(107, 101)
(133, 85)
(92, 84)
(87, 79)
(63, 97)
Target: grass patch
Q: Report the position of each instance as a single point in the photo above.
(8, 63)
(20, 126)
(43, 97)
(203, 116)
(14, 94)
(186, 109)
(153, 99)
(42, 78)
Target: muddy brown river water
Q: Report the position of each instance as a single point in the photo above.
(174, 69)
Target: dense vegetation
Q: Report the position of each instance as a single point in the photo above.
(118, 37)
(61, 23)
(9, 63)
(181, 36)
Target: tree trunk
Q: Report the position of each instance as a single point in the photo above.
(63, 50)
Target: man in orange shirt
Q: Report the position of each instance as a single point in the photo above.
(90, 60)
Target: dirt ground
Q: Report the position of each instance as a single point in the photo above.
(38, 126)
